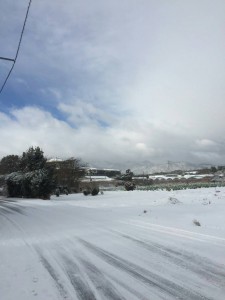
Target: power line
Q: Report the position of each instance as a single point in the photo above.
(18, 48)
(6, 58)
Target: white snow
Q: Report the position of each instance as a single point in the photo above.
(96, 178)
(119, 245)
(176, 176)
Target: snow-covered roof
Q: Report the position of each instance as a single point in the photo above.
(102, 169)
(54, 159)
(97, 178)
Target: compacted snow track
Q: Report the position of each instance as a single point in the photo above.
(120, 245)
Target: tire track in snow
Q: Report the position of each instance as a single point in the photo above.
(80, 285)
(207, 265)
(205, 238)
(148, 278)
(104, 287)
(72, 273)
(52, 272)
(16, 225)
(103, 282)
(75, 274)
(129, 289)
(195, 263)
(12, 208)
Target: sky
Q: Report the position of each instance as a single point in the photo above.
(115, 82)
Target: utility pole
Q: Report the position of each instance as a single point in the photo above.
(168, 165)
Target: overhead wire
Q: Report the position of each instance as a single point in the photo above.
(6, 58)
(18, 48)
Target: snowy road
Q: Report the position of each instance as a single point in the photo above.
(120, 245)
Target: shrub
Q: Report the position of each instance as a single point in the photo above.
(95, 191)
(34, 180)
(86, 192)
(14, 183)
(129, 186)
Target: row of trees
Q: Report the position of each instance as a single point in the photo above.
(31, 176)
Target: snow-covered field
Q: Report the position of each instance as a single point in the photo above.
(120, 245)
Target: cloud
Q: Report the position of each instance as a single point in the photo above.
(116, 145)
(117, 80)
(205, 143)
(85, 113)
(207, 156)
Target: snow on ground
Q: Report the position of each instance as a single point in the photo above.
(119, 245)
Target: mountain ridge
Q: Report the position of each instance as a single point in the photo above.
(147, 167)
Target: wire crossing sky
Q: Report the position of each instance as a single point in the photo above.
(17, 52)
(115, 82)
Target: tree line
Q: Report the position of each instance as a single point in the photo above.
(32, 176)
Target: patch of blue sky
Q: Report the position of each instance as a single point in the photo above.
(12, 98)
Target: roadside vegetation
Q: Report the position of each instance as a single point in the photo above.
(31, 175)
(28, 175)
(180, 186)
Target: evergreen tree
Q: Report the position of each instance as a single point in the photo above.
(9, 164)
(32, 159)
(35, 178)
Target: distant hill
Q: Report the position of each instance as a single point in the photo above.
(147, 167)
